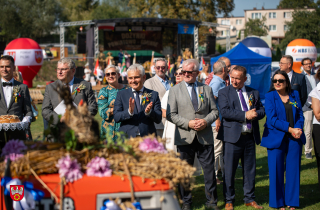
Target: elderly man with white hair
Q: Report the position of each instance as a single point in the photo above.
(137, 108)
(192, 108)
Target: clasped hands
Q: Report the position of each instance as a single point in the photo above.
(295, 132)
(132, 104)
(197, 124)
(251, 114)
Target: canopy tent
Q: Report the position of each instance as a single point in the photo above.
(258, 67)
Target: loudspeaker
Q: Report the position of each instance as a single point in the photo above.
(211, 45)
(81, 43)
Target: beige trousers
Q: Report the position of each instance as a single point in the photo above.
(308, 117)
(218, 152)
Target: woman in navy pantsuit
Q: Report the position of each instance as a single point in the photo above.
(283, 137)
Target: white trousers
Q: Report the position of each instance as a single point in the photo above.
(218, 152)
(308, 117)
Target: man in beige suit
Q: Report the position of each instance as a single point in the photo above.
(161, 84)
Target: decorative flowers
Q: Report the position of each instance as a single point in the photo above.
(78, 89)
(295, 104)
(152, 145)
(69, 169)
(145, 98)
(13, 150)
(16, 93)
(99, 167)
(201, 97)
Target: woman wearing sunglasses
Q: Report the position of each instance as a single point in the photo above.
(283, 137)
(106, 98)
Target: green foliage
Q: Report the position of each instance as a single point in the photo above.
(318, 59)
(292, 4)
(277, 56)
(70, 140)
(32, 18)
(204, 10)
(106, 10)
(304, 25)
(256, 27)
(220, 49)
(119, 144)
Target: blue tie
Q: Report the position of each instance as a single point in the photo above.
(194, 97)
(137, 101)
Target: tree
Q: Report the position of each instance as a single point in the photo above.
(256, 27)
(304, 25)
(32, 18)
(292, 4)
(204, 10)
(77, 10)
(108, 10)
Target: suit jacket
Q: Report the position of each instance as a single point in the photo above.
(298, 83)
(139, 122)
(155, 84)
(276, 125)
(306, 106)
(52, 99)
(23, 106)
(233, 117)
(180, 111)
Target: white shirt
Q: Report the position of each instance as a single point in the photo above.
(290, 75)
(71, 84)
(245, 129)
(87, 73)
(315, 93)
(140, 97)
(8, 91)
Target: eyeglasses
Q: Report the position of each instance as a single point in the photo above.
(278, 80)
(307, 64)
(162, 67)
(187, 72)
(178, 74)
(283, 63)
(112, 73)
(63, 70)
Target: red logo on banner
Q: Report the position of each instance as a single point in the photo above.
(16, 192)
(38, 56)
(294, 50)
(12, 53)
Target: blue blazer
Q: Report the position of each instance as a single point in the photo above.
(276, 125)
(233, 116)
(139, 121)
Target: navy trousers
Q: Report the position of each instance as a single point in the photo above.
(205, 154)
(244, 149)
(285, 158)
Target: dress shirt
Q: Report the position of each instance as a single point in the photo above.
(8, 93)
(71, 84)
(311, 79)
(244, 124)
(315, 93)
(216, 84)
(165, 83)
(290, 75)
(189, 88)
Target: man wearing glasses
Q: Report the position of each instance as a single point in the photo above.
(192, 108)
(298, 81)
(307, 108)
(160, 84)
(52, 102)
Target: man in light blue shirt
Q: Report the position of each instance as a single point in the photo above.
(220, 71)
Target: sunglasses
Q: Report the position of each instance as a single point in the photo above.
(162, 67)
(278, 80)
(180, 74)
(188, 72)
(112, 73)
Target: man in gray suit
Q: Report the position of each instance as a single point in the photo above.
(15, 99)
(79, 88)
(192, 108)
(160, 84)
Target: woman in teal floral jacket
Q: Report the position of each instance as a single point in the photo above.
(106, 98)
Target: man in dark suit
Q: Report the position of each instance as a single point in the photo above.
(298, 81)
(11, 103)
(79, 88)
(241, 110)
(137, 108)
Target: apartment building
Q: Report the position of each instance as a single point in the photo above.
(276, 21)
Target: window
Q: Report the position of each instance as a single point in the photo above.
(272, 15)
(225, 33)
(287, 14)
(225, 22)
(256, 15)
(238, 22)
(285, 28)
(272, 27)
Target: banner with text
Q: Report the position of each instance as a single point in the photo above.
(142, 40)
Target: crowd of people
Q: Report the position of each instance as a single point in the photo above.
(212, 123)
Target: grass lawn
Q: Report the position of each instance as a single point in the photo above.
(309, 188)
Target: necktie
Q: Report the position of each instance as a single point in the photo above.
(137, 100)
(194, 98)
(245, 107)
(6, 84)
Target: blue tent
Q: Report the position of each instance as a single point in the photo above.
(258, 67)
